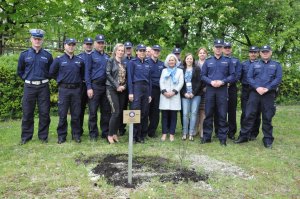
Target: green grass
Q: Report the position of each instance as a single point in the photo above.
(38, 170)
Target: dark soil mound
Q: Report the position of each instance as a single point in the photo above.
(114, 168)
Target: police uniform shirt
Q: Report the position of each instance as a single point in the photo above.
(238, 68)
(218, 69)
(34, 66)
(155, 70)
(138, 71)
(265, 74)
(67, 70)
(85, 56)
(244, 71)
(95, 67)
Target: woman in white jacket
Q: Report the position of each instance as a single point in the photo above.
(171, 81)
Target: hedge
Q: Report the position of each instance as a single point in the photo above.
(11, 88)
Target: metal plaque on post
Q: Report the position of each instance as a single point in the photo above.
(131, 117)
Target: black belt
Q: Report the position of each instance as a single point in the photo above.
(70, 86)
(99, 81)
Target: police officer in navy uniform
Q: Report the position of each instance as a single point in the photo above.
(264, 78)
(177, 52)
(156, 68)
(68, 69)
(217, 72)
(253, 55)
(33, 68)
(139, 85)
(88, 48)
(95, 77)
(232, 91)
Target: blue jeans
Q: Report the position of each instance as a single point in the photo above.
(190, 109)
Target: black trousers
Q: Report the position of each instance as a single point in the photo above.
(84, 101)
(216, 101)
(232, 104)
(69, 99)
(154, 111)
(99, 100)
(122, 127)
(244, 99)
(141, 102)
(266, 104)
(168, 121)
(117, 102)
(40, 95)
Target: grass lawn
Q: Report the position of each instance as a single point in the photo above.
(49, 170)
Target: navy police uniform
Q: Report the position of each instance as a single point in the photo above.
(84, 98)
(156, 69)
(95, 77)
(216, 98)
(267, 74)
(68, 72)
(245, 94)
(139, 84)
(33, 68)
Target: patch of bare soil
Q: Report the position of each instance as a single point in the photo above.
(114, 168)
(211, 165)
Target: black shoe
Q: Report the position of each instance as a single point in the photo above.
(104, 136)
(44, 141)
(241, 140)
(203, 141)
(77, 140)
(22, 142)
(122, 132)
(231, 137)
(268, 146)
(60, 141)
(252, 138)
(223, 142)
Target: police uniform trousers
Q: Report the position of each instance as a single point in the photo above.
(141, 102)
(116, 100)
(99, 100)
(69, 98)
(33, 94)
(232, 104)
(154, 111)
(84, 101)
(244, 99)
(258, 102)
(216, 100)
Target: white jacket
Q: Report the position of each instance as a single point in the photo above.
(173, 103)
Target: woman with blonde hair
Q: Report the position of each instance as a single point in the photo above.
(171, 82)
(202, 54)
(115, 89)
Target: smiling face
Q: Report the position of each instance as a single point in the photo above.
(253, 55)
(189, 60)
(70, 48)
(265, 55)
(120, 52)
(218, 50)
(227, 51)
(99, 46)
(88, 47)
(202, 55)
(141, 53)
(172, 62)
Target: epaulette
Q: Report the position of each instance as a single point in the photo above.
(209, 57)
(46, 50)
(24, 51)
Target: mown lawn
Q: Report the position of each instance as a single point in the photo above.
(49, 170)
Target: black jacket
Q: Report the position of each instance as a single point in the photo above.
(197, 84)
(112, 73)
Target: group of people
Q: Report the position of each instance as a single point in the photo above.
(204, 91)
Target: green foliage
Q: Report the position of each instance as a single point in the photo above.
(11, 89)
